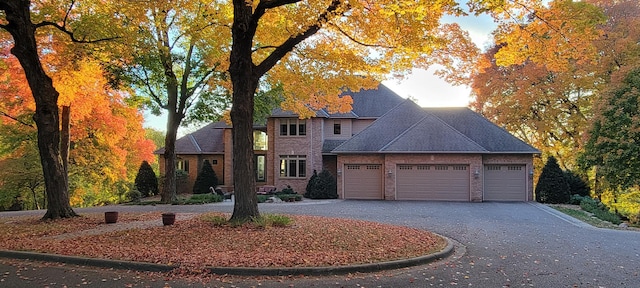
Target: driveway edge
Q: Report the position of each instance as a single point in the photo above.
(240, 271)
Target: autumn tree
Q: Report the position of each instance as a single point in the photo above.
(540, 79)
(178, 61)
(17, 20)
(319, 49)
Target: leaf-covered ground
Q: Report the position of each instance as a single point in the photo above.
(196, 243)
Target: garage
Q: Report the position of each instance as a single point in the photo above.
(505, 183)
(432, 182)
(363, 181)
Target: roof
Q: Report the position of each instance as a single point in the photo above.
(206, 140)
(408, 128)
(368, 104)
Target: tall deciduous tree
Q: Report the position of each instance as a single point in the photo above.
(179, 58)
(613, 140)
(318, 49)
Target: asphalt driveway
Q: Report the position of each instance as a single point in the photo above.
(498, 245)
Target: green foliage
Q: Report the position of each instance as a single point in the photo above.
(216, 220)
(286, 197)
(577, 185)
(628, 204)
(575, 199)
(599, 210)
(206, 178)
(133, 195)
(287, 190)
(271, 220)
(552, 186)
(146, 180)
(322, 186)
(612, 146)
(202, 199)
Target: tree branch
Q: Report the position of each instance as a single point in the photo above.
(294, 40)
(358, 41)
(63, 29)
(5, 114)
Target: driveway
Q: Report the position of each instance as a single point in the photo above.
(498, 245)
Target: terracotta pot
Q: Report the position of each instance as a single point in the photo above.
(110, 217)
(168, 218)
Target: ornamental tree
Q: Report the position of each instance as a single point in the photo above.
(552, 185)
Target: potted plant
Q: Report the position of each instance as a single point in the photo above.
(111, 217)
(168, 218)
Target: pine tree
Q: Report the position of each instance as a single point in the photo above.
(552, 185)
(206, 178)
(146, 180)
(311, 185)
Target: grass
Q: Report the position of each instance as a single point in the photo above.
(578, 213)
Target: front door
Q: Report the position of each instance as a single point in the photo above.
(261, 168)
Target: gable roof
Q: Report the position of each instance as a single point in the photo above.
(408, 128)
(367, 104)
(206, 140)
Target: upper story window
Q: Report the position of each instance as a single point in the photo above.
(337, 128)
(293, 166)
(260, 140)
(293, 127)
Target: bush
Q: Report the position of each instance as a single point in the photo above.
(322, 186)
(206, 178)
(599, 210)
(575, 199)
(552, 186)
(133, 195)
(287, 190)
(204, 198)
(286, 197)
(577, 185)
(146, 180)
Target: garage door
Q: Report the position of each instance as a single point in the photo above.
(363, 181)
(505, 183)
(432, 182)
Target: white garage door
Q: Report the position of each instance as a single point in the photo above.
(432, 182)
(363, 181)
(505, 183)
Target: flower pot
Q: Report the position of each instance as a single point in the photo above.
(168, 218)
(110, 217)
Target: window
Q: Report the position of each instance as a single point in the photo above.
(293, 127)
(261, 168)
(293, 166)
(214, 162)
(337, 128)
(182, 165)
(260, 140)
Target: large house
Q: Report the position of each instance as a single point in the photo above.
(386, 148)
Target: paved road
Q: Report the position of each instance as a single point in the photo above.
(498, 245)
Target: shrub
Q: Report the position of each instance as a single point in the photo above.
(288, 190)
(577, 185)
(146, 180)
(133, 195)
(204, 198)
(599, 210)
(552, 186)
(206, 178)
(322, 186)
(575, 199)
(285, 197)
(590, 205)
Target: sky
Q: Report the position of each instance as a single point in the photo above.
(427, 89)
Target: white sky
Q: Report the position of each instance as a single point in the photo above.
(428, 89)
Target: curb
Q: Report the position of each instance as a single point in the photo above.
(84, 261)
(239, 271)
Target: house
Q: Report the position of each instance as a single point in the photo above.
(385, 148)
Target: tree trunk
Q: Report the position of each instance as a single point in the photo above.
(47, 120)
(66, 138)
(245, 82)
(169, 187)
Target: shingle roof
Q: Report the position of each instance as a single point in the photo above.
(482, 131)
(409, 128)
(206, 140)
(371, 104)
